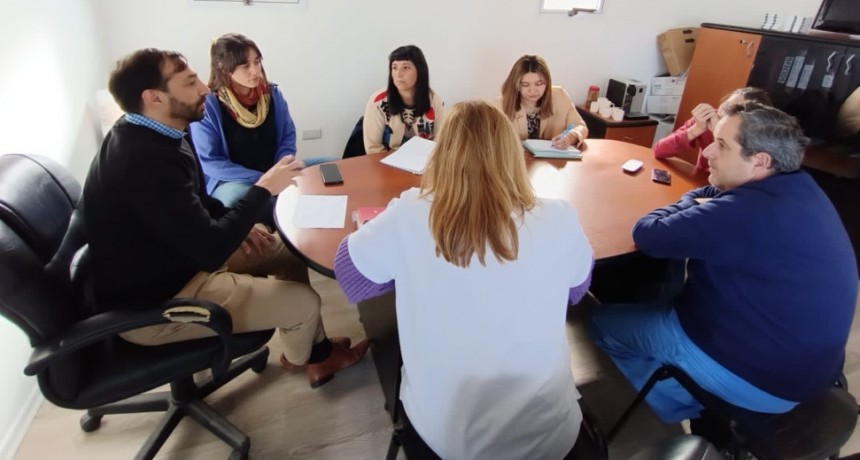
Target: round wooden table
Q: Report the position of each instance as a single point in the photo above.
(609, 201)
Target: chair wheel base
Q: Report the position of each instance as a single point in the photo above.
(239, 455)
(90, 423)
(259, 367)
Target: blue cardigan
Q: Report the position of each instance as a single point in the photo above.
(771, 280)
(211, 146)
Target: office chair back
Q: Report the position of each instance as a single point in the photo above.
(37, 198)
(355, 143)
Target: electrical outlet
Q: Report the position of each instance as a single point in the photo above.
(311, 134)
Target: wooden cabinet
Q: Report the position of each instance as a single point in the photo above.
(721, 63)
(639, 132)
(807, 76)
(639, 135)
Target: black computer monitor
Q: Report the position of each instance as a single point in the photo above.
(838, 16)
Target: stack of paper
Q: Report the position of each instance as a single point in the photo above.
(412, 156)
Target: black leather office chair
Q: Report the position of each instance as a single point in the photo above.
(355, 143)
(682, 447)
(78, 359)
(590, 444)
(812, 430)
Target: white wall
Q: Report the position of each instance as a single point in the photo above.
(52, 64)
(329, 55)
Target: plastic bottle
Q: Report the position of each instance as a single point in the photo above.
(593, 94)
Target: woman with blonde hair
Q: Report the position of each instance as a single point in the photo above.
(484, 272)
(538, 109)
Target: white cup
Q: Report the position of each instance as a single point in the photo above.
(606, 112)
(617, 114)
(603, 103)
(594, 108)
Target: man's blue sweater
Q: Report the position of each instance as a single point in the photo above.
(771, 280)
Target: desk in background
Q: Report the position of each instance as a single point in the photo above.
(639, 132)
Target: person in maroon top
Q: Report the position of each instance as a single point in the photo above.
(698, 131)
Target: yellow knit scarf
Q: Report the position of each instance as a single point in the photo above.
(242, 115)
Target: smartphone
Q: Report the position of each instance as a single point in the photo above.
(330, 174)
(661, 175)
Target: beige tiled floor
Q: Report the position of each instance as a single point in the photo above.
(342, 420)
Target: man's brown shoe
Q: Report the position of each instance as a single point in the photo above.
(345, 341)
(341, 357)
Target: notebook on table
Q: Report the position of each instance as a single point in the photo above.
(412, 156)
(543, 149)
(364, 214)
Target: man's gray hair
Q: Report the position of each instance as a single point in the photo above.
(770, 130)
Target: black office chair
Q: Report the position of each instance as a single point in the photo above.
(681, 447)
(812, 430)
(355, 143)
(590, 444)
(78, 358)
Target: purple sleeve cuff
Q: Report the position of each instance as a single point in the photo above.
(355, 285)
(577, 293)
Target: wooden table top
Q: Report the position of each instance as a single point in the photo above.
(608, 200)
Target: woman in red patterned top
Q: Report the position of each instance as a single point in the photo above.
(698, 131)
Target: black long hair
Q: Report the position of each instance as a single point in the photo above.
(422, 90)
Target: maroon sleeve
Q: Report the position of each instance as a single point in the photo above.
(675, 143)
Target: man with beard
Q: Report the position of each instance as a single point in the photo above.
(155, 234)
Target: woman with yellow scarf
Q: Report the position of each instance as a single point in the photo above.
(246, 127)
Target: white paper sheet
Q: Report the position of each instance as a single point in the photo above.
(412, 156)
(320, 211)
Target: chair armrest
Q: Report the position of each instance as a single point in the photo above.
(111, 323)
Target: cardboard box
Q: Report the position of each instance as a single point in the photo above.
(667, 86)
(677, 46)
(662, 104)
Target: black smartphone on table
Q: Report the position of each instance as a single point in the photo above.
(330, 174)
(661, 175)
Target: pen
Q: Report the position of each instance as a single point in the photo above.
(569, 129)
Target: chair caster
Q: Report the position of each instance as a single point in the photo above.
(259, 366)
(90, 423)
(842, 382)
(239, 455)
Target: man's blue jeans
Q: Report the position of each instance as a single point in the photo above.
(641, 338)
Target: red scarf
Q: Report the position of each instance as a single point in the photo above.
(249, 100)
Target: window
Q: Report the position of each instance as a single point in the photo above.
(571, 7)
(255, 2)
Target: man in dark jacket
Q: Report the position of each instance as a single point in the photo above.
(771, 279)
(155, 234)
